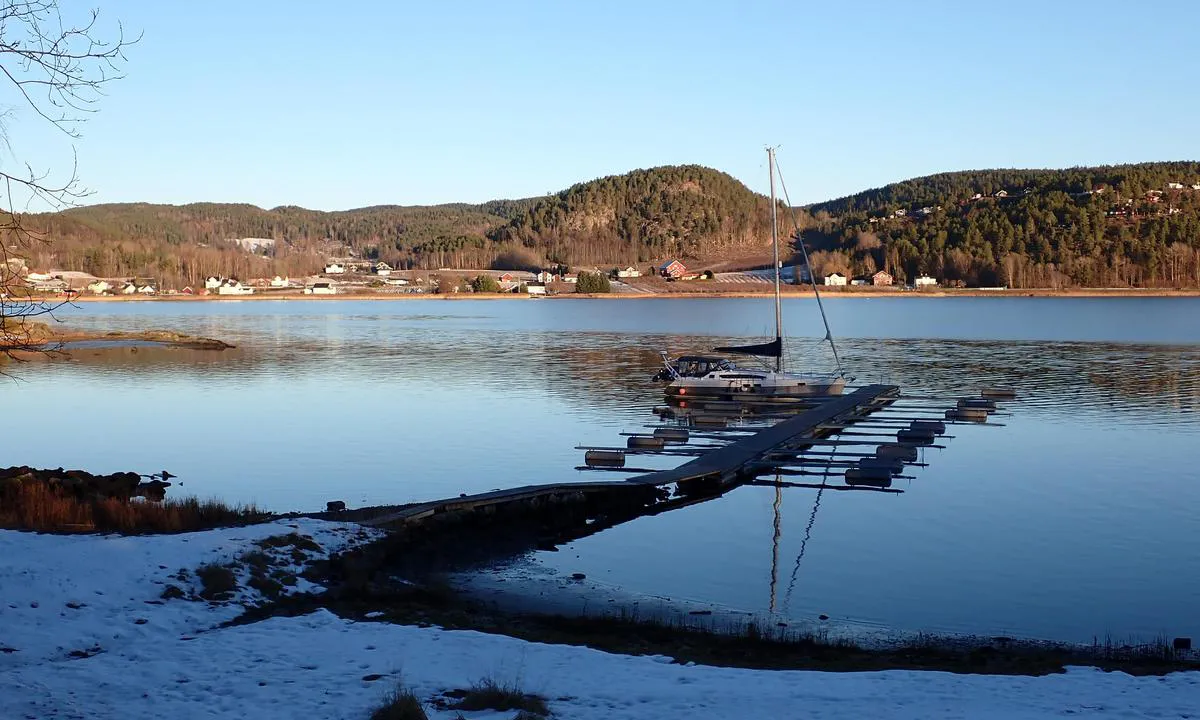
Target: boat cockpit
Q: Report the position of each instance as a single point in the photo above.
(700, 365)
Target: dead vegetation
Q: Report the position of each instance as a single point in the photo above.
(36, 506)
(400, 704)
(488, 694)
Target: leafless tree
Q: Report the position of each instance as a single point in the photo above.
(57, 66)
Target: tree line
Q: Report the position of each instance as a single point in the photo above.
(1128, 225)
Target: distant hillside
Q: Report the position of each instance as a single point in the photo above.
(685, 211)
(1106, 226)
(1112, 226)
(638, 217)
(183, 244)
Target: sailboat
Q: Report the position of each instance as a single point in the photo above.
(713, 375)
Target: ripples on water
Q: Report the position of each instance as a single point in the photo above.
(1075, 518)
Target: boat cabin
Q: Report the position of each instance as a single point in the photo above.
(700, 365)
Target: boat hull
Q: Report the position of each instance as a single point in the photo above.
(800, 387)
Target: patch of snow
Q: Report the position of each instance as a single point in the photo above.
(176, 664)
(65, 593)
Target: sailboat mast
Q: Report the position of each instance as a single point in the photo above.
(775, 263)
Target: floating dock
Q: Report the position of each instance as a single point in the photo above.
(717, 468)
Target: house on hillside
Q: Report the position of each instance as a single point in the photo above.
(147, 289)
(545, 276)
(672, 269)
(881, 279)
(629, 272)
(129, 288)
(570, 278)
(212, 283)
(280, 282)
(535, 288)
(335, 269)
(925, 281)
(835, 279)
(382, 269)
(100, 287)
(1001, 193)
(1174, 186)
(321, 288)
(234, 287)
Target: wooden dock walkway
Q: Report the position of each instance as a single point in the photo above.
(723, 465)
(728, 461)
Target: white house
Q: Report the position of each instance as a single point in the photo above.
(212, 283)
(278, 282)
(835, 279)
(395, 281)
(99, 287)
(335, 269)
(1174, 186)
(321, 288)
(129, 289)
(535, 288)
(147, 290)
(925, 281)
(570, 278)
(233, 287)
(383, 269)
(544, 276)
(1196, 186)
(1002, 194)
(629, 272)
(35, 277)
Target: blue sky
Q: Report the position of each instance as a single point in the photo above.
(303, 103)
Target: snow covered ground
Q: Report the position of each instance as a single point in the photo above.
(139, 656)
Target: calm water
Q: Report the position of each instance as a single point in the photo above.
(1080, 517)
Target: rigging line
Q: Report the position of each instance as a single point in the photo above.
(812, 518)
(811, 278)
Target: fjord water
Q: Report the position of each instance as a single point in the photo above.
(1079, 517)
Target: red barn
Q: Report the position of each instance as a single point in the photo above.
(671, 269)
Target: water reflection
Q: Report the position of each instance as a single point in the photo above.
(1077, 518)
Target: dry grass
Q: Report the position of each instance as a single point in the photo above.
(219, 582)
(35, 506)
(487, 694)
(400, 704)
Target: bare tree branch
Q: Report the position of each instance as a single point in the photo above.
(59, 69)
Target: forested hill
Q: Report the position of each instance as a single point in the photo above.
(1108, 226)
(1111, 226)
(182, 244)
(642, 216)
(684, 211)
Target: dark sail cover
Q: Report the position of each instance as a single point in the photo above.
(771, 349)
